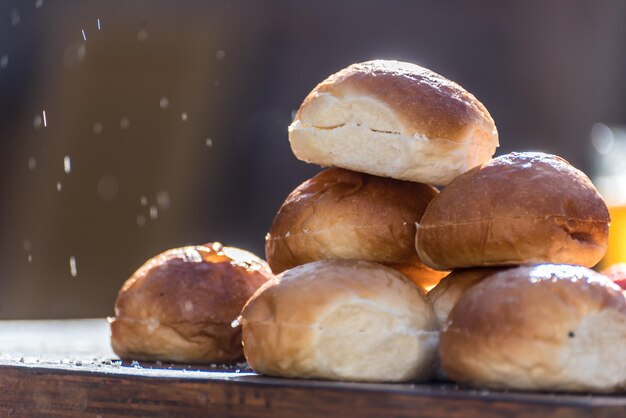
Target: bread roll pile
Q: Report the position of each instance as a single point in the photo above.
(520, 310)
(349, 303)
(356, 247)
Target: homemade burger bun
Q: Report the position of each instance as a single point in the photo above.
(545, 327)
(393, 119)
(340, 320)
(449, 290)
(518, 208)
(179, 305)
(349, 215)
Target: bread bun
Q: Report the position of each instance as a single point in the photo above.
(179, 305)
(349, 215)
(545, 327)
(518, 208)
(340, 320)
(393, 119)
(420, 274)
(449, 290)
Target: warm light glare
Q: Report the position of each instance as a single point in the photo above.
(617, 237)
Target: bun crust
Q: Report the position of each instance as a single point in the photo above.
(544, 327)
(518, 208)
(417, 272)
(348, 215)
(340, 320)
(393, 119)
(179, 305)
(449, 290)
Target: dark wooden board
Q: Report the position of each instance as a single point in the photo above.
(66, 369)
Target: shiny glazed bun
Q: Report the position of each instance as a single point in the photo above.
(518, 208)
(340, 320)
(545, 327)
(393, 119)
(449, 290)
(179, 305)
(349, 215)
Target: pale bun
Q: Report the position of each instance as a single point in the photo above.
(348, 215)
(545, 327)
(341, 320)
(393, 119)
(518, 208)
(180, 304)
(449, 290)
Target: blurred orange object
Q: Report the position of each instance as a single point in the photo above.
(616, 252)
(617, 273)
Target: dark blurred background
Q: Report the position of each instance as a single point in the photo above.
(167, 124)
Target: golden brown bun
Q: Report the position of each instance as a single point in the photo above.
(179, 305)
(518, 208)
(449, 290)
(349, 215)
(418, 273)
(340, 320)
(545, 327)
(393, 119)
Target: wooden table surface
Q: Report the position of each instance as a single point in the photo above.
(66, 368)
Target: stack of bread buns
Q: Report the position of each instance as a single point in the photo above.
(520, 310)
(349, 302)
(506, 246)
